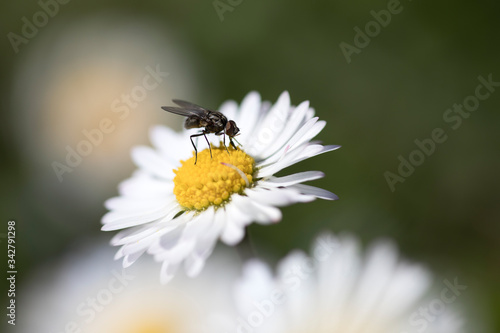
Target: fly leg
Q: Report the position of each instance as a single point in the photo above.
(196, 150)
(232, 143)
(224, 140)
(208, 143)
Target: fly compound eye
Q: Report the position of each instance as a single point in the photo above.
(231, 128)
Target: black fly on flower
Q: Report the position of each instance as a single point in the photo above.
(199, 117)
(176, 210)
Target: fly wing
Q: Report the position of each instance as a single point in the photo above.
(188, 105)
(183, 112)
(186, 109)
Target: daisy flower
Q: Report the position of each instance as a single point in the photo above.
(87, 292)
(338, 289)
(176, 210)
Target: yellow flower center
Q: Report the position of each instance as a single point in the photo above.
(211, 181)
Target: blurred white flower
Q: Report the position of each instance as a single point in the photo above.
(85, 91)
(338, 289)
(88, 293)
(220, 195)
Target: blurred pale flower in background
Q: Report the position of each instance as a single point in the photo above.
(335, 289)
(339, 289)
(88, 292)
(218, 197)
(86, 91)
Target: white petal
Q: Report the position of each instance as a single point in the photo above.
(193, 265)
(291, 156)
(376, 276)
(291, 179)
(164, 228)
(149, 160)
(170, 239)
(119, 254)
(220, 220)
(178, 253)
(229, 108)
(118, 220)
(407, 285)
(337, 276)
(133, 234)
(266, 214)
(199, 224)
(131, 258)
(297, 155)
(269, 128)
(249, 112)
(235, 214)
(142, 185)
(291, 126)
(277, 197)
(171, 145)
(196, 260)
(142, 244)
(137, 205)
(242, 203)
(286, 157)
(310, 129)
(233, 233)
(315, 191)
(294, 141)
(167, 271)
(257, 212)
(255, 285)
(199, 248)
(150, 240)
(174, 246)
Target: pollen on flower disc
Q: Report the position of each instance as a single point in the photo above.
(212, 181)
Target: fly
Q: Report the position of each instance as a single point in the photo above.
(211, 122)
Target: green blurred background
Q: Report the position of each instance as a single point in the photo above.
(446, 214)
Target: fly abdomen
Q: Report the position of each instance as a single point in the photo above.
(193, 122)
